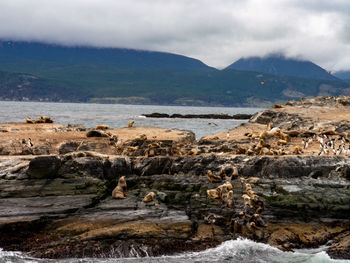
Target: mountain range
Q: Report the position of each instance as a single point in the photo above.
(277, 64)
(344, 75)
(45, 72)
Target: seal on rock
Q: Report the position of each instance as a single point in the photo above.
(131, 124)
(149, 197)
(120, 191)
(214, 178)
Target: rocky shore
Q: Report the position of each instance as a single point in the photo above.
(240, 116)
(55, 195)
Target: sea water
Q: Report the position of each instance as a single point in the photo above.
(118, 115)
(240, 250)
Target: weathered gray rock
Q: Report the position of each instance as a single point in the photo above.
(68, 147)
(44, 167)
(99, 147)
(294, 189)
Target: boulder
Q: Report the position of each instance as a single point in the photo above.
(67, 147)
(44, 167)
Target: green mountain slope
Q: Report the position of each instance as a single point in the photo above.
(25, 87)
(54, 73)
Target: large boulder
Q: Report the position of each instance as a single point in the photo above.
(44, 167)
(68, 147)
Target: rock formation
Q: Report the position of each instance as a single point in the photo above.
(55, 197)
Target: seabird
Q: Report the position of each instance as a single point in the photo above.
(304, 143)
(320, 140)
(339, 150)
(30, 142)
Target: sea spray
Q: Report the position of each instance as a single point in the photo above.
(240, 250)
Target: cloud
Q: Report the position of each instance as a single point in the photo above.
(217, 32)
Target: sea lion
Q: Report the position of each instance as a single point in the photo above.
(213, 193)
(238, 223)
(266, 151)
(251, 193)
(228, 200)
(131, 124)
(282, 142)
(222, 173)
(297, 150)
(192, 152)
(149, 197)
(213, 178)
(224, 188)
(253, 180)
(234, 172)
(257, 233)
(246, 199)
(142, 137)
(102, 127)
(228, 185)
(29, 120)
(248, 187)
(258, 220)
(120, 191)
(43, 119)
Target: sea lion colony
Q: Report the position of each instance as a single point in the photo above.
(247, 222)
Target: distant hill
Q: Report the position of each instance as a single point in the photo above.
(26, 87)
(30, 54)
(41, 72)
(282, 66)
(344, 75)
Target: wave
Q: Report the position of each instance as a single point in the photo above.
(243, 250)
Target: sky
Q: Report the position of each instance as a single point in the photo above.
(218, 32)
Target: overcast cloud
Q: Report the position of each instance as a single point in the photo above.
(217, 32)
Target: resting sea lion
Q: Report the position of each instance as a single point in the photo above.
(149, 197)
(213, 193)
(213, 178)
(120, 191)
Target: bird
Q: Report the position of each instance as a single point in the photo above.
(30, 144)
(339, 150)
(320, 139)
(23, 141)
(305, 143)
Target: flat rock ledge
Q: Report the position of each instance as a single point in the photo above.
(53, 206)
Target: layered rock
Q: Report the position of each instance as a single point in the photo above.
(67, 202)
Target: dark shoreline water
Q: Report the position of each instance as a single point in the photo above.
(119, 115)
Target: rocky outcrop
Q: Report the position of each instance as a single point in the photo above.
(67, 202)
(199, 116)
(283, 192)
